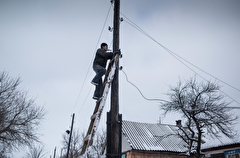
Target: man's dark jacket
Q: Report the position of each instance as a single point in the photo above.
(101, 57)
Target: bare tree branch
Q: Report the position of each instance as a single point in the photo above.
(36, 152)
(204, 110)
(19, 115)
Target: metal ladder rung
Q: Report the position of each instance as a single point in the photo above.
(100, 99)
(86, 138)
(94, 116)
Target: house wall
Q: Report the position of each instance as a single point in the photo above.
(137, 154)
(217, 153)
(125, 144)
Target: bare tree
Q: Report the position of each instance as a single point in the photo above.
(204, 110)
(77, 143)
(19, 115)
(99, 144)
(36, 152)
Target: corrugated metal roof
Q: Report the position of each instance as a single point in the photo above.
(153, 137)
(210, 146)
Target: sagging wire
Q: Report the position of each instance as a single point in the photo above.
(160, 100)
(177, 57)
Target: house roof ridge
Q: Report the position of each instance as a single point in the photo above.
(149, 123)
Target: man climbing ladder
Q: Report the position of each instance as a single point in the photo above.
(99, 65)
(95, 118)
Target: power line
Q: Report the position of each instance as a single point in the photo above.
(177, 57)
(92, 58)
(85, 100)
(229, 107)
(161, 100)
(171, 52)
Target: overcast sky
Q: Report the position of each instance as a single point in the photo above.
(51, 45)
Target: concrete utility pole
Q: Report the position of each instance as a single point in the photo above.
(114, 119)
(70, 137)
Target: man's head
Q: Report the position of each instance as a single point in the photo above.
(104, 46)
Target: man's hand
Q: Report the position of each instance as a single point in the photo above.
(118, 52)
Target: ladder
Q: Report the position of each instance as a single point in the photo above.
(95, 118)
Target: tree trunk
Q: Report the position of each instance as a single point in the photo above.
(199, 143)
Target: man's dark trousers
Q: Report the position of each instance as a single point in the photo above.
(100, 71)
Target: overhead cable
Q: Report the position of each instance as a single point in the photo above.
(161, 100)
(177, 57)
(92, 58)
(171, 52)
